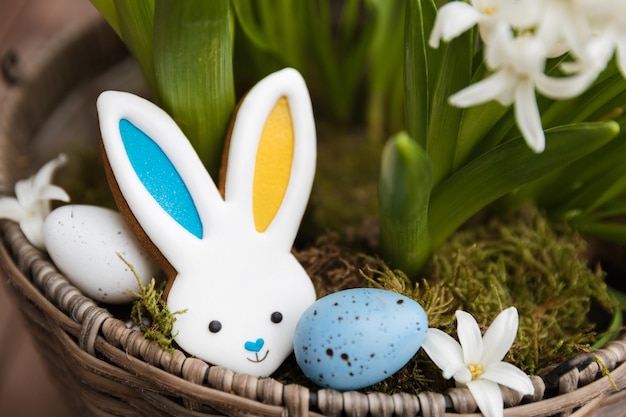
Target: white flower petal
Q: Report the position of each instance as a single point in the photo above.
(509, 375)
(528, 56)
(565, 87)
(462, 376)
(45, 173)
(32, 228)
(25, 193)
(563, 21)
(42, 208)
(620, 53)
(453, 19)
(32, 203)
(522, 14)
(548, 32)
(507, 96)
(500, 336)
(577, 33)
(599, 50)
(482, 91)
(488, 397)
(497, 51)
(11, 209)
(444, 351)
(527, 116)
(53, 192)
(470, 338)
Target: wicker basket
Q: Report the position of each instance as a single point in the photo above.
(111, 370)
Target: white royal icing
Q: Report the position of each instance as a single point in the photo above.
(230, 276)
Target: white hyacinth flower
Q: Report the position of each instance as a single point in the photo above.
(519, 64)
(32, 199)
(457, 17)
(564, 26)
(476, 363)
(518, 37)
(608, 21)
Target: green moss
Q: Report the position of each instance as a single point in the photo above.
(436, 299)
(522, 260)
(420, 374)
(151, 314)
(537, 266)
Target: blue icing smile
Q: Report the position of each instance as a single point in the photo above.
(355, 338)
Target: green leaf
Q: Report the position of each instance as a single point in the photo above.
(617, 323)
(608, 231)
(403, 197)
(421, 64)
(250, 24)
(136, 23)
(328, 45)
(613, 208)
(107, 10)
(476, 123)
(581, 186)
(193, 64)
(431, 77)
(506, 167)
(596, 192)
(276, 35)
(285, 24)
(339, 59)
(588, 104)
(444, 120)
(385, 71)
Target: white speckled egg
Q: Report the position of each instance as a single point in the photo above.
(355, 338)
(83, 241)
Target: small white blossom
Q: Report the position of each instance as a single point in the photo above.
(608, 22)
(32, 199)
(518, 65)
(564, 26)
(457, 17)
(520, 35)
(476, 363)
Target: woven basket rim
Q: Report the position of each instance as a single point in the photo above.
(97, 339)
(97, 332)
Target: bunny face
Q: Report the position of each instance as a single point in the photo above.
(234, 274)
(242, 322)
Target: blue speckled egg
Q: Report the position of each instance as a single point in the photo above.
(355, 338)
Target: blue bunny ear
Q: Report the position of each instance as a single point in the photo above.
(160, 177)
(158, 173)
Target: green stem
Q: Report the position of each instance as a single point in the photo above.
(403, 195)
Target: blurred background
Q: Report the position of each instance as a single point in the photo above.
(26, 387)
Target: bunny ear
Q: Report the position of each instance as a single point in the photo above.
(159, 175)
(271, 158)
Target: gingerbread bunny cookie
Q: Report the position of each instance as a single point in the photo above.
(229, 257)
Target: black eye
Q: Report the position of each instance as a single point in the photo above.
(276, 317)
(215, 326)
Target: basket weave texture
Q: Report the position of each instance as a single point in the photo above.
(108, 369)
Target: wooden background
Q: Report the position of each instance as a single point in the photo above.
(26, 388)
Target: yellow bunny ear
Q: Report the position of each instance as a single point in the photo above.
(270, 162)
(273, 164)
